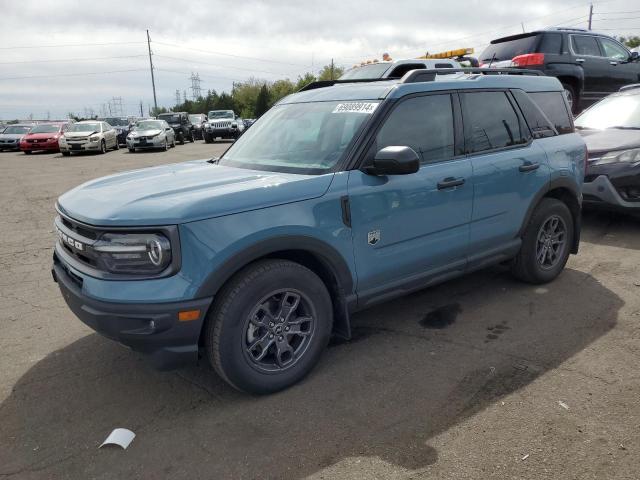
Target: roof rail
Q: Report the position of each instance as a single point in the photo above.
(633, 86)
(568, 29)
(426, 75)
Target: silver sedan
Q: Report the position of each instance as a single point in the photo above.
(151, 134)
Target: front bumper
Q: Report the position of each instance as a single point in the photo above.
(152, 329)
(80, 147)
(222, 132)
(35, 146)
(155, 142)
(9, 145)
(601, 192)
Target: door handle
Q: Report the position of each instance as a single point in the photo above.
(450, 182)
(529, 167)
(579, 60)
(613, 63)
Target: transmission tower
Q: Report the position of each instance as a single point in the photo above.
(184, 96)
(196, 91)
(118, 106)
(177, 97)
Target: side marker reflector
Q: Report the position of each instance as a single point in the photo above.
(189, 315)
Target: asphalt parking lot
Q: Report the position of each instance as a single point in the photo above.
(481, 377)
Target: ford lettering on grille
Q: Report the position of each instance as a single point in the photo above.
(72, 242)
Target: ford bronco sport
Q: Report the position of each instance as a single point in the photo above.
(337, 198)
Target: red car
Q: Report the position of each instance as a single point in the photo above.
(43, 136)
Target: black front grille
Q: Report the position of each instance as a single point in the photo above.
(79, 229)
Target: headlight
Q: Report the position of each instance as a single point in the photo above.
(624, 156)
(94, 138)
(134, 253)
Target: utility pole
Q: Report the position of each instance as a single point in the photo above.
(590, 15)
(522, 23)
(141, 112)
(153, 81)
(332, 69)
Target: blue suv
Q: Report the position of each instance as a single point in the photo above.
(341, 196)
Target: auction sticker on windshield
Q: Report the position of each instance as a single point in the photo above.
(356, 107)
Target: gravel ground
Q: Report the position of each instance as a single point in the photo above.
(479, 378)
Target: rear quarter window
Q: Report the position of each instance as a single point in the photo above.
(550, 43)
(506, 50)
(555, 108)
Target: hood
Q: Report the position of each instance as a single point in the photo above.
(145, 133)
(78, 134)
(185, 192)
(602, 141)
(41, 136)
(12, 136)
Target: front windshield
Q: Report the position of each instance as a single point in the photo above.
(170, 118)
(220, 114)
(116, 122)
(374, 70)
(45, 129)
(300, 137)
(16, 129)
(85, 127)
(622, 111)
(195, 118)
(149, 125)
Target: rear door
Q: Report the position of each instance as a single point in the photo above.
(586, 52)
(621, 70)
(407, 227)
(508, 170)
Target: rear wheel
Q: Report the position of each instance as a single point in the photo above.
(269, 327)
(103, 147)
(546, 243)
(571, 96)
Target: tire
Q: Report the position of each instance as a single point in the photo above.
(181, 139)
(527, 265)
(27, 152)
(192, 139)
(166, 145)
(132, 150)
(572, 97)
(173, 143)
(117, 147)
(66, 154)
(228, 328)
(207, 139)
(103, 147)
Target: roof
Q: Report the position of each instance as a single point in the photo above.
(376, 90)
(547, 30)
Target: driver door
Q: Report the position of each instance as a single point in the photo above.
(409, 228)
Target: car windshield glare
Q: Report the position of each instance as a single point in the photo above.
(85, 127)
(220, 114)
(374, 70)
(614, 111)
(307, 138)
(45, 129)
(16, 129)
(170, 118)
(149, 125)
(195, 118)
(116, 122)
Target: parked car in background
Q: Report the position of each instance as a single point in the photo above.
(151, 134)
(198, 120)
(88, 136)
(43, 136)
(319, 211)
(395, 68)
(248, 122)
(122, 126)
(181, 125)
(10, 137)
(611, 129)
(223, 124)
(589, 65)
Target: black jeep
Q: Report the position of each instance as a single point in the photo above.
(590, 65)
(181, 124)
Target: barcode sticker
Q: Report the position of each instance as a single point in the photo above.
(356, 107)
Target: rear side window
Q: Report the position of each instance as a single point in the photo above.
(422, 123)
(555, 108)
(585, 45)
(506, 50)
(491, 122)
(538, 122)
(550, 43)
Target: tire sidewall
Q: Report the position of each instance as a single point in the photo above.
(232, 360)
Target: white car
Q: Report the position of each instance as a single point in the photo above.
(395, 68)
(88, 136)
(151, 134)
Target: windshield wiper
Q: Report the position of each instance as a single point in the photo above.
(622, 127)
(213, 160)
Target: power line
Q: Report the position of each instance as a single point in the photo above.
(73, 74)
(60, 60)
(209, 76)
(68, 45)
(217, 65)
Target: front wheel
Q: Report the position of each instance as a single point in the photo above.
(27, 152)
(66, 154)
(269, 327)
(571, 96)
(546, 243)
(103, 147)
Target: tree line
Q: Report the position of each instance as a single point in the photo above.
(253, 97)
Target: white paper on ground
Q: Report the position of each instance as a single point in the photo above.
(120, 436)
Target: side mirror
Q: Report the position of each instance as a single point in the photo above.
(168, 129)
(394, 160)
(634, 56)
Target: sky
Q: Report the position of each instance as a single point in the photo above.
(76, 56)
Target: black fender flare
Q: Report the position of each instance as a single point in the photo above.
(565, 183)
